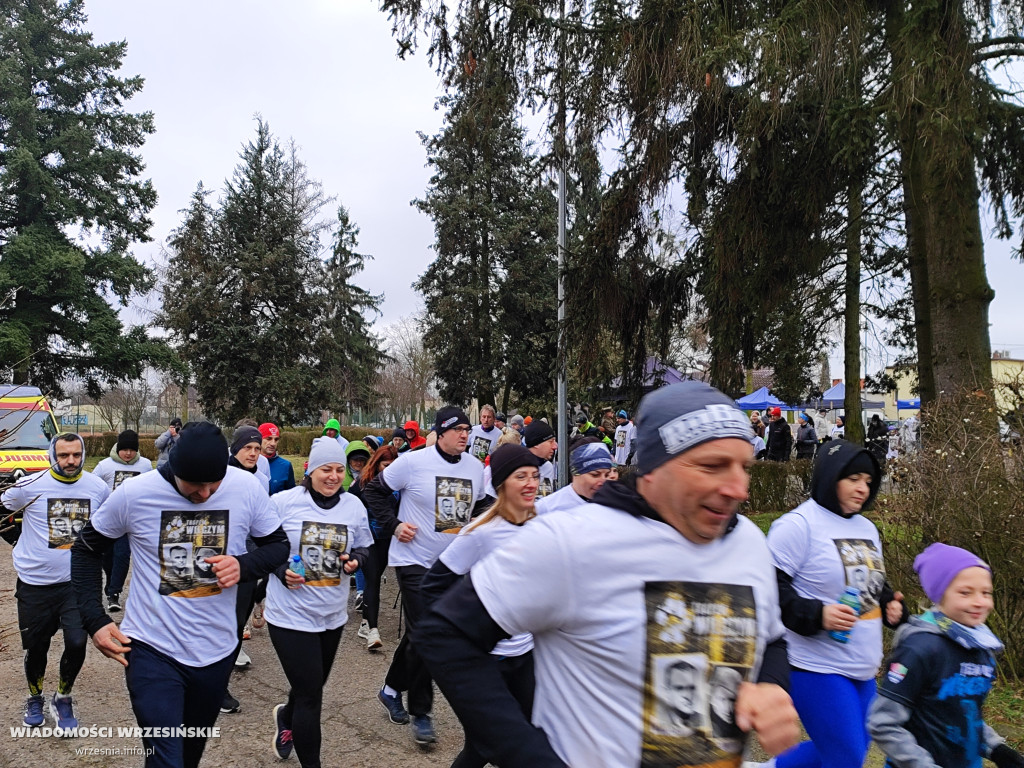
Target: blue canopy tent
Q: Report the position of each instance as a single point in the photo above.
(762, 399)
(908, 405)
(836, 398)
(656, 374)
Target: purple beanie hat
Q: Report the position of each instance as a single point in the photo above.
(939, 564)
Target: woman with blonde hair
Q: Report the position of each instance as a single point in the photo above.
(516, 478)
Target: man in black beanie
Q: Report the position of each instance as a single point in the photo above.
(180, 629)
(435, 484)
(539, 440)
(124, 462)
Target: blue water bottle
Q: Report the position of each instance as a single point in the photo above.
(850, 597)
(296, 566)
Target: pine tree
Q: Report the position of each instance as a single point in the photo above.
(69, 164)
(490, 291)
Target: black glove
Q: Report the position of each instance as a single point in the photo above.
(1006, 757)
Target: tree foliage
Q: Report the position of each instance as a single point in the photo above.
(269, 328)
(72, 201)
(490, 292)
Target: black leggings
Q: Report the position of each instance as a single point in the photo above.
(306, 658)
(517, 672)
(42, 610)
(373, 570)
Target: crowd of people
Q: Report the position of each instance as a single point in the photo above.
(630, 618)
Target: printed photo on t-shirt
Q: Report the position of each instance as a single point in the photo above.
(186, 542)
(545, 487)
(701, 644)
(453, 503)
(480, 447)
(121, 475)
(321, 546)
(620, 439)
(65, 519)
(863, 568)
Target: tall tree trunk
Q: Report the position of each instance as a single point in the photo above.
(853, 422)
(937, 115)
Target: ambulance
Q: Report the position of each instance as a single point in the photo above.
(26, 428)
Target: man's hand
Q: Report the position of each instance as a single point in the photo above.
(293, 580)
(894, 608)
(405, 532)
(838, 617)
(767, 709)
(227, 569)
(112, 643)
(351, 566)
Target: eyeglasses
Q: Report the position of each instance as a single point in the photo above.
(463, 430)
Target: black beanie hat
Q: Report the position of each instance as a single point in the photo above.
(399, 432)
(128, 440)
(243, 436)
(862, 463)
(448, 417)
(537, 432)
(506, 459)
(201, 453)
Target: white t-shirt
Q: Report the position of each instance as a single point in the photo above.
(481, 443)
(319, 536)
(113, 473)
(175, 604)
(607, 640)
(825, 553)
(545, 488)
(437, 497)
(564, 498)
(53, 514)
(624, 437)
(263, 468)
(475, 542)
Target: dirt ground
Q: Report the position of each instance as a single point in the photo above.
(356, 729)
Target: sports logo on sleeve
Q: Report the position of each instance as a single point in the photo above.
(864, 569)
(321, 546)
(121, 475)
(701, 644)
(65, 518)
(453, 502)
(186, 541)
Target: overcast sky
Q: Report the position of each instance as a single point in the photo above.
(325, 73)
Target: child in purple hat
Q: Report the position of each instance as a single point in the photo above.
(928, 712)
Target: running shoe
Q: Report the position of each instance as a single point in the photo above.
(246, 633)
(364, 629)
(243, 659)
(230, 705)
(257, 616)
(423, 730)
(358, 606)
(373, 640)
(114, 602)
(283, 745)
(63, 712)
(393, 705)
(34, 716)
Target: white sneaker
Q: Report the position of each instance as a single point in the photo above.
(364, 629)
(243, 659)
(373, 640)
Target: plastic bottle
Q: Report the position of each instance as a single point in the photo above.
(296, 566)
(850, 597)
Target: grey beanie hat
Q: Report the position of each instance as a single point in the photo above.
(681, 416)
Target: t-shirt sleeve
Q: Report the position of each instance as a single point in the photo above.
(907, 672)
(479, 485)
(396, 474)
(265, 518)
(104, 472)
(524, 585)
(14, 498)
(361, 535)
(787, 541)
(109, 520)
(462, 553)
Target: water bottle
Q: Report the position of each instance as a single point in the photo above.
(296, 566)
(850, 597)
